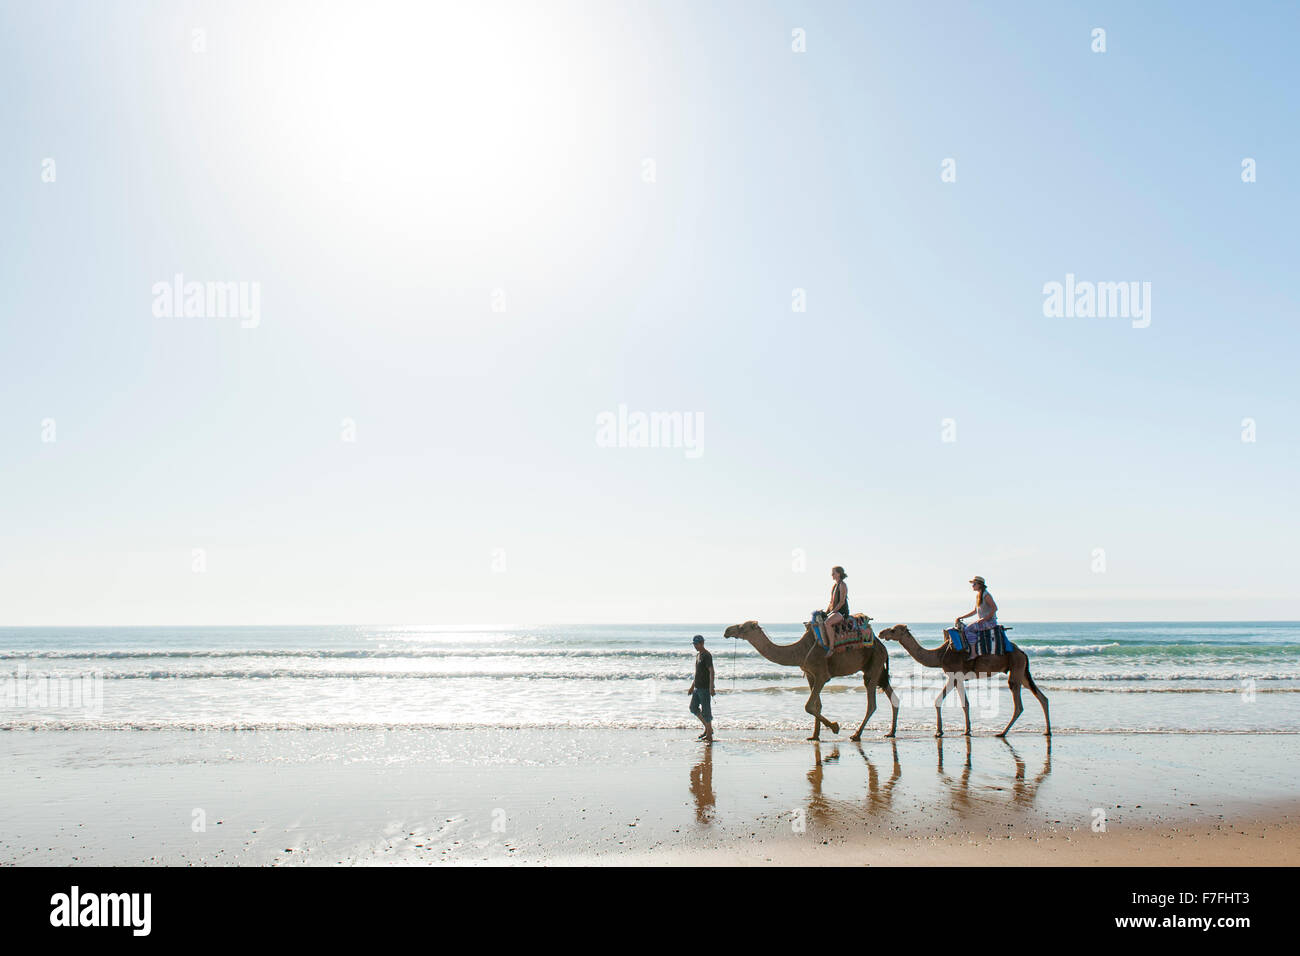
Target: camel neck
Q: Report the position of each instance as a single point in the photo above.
(922, 655)
(788, 655)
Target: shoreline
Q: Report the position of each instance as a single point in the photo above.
(1267, 840)
(620, 797)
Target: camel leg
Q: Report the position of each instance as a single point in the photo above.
(871, 708)
(1015, 696)
(814, 707)
(965, 704)
(1042, 699)
(938, 704)
(878, 676)
(817, 720)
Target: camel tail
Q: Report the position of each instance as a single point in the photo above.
(1029, 681)
(894, 699)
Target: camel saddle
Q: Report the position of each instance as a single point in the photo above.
(851, 632)
(992, 640)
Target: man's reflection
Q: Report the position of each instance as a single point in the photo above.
(702, 788)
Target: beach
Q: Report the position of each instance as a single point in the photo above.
(1173, 744)
(657, 797)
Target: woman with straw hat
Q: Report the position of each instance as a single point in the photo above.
(985, 614)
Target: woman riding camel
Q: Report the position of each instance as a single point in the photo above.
(838, 609)
(985, 614)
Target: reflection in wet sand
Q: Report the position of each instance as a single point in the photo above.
(959, 788)
(881, 797)
(878, 797)
(702, 788)
(1022, 793)
(969, 789)
(818, 805)
(967, 792)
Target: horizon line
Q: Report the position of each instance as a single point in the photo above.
(652, 623)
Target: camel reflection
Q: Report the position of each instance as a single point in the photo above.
(968, 789)
(878, 796)
(1022, 790)
(959, 789)
(702, 788)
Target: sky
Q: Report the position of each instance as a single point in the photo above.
(475, 231)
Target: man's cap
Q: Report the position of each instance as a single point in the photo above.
(697, 639)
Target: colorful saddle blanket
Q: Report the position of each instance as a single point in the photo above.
(992, 640)
(854, 631)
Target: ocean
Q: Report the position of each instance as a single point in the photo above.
(1100, 678)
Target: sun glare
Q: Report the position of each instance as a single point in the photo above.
(433, 123)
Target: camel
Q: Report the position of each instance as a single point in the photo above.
(807, 655)
(957, 666)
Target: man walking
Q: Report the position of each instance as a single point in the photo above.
(702, 688)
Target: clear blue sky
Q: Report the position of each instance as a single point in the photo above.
(381, 169)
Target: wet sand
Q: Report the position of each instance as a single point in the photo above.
(615, 797)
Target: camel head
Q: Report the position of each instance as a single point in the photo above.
(740, 630)
(894, 633)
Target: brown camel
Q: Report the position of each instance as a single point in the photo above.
(807, 655)
(958, 667)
